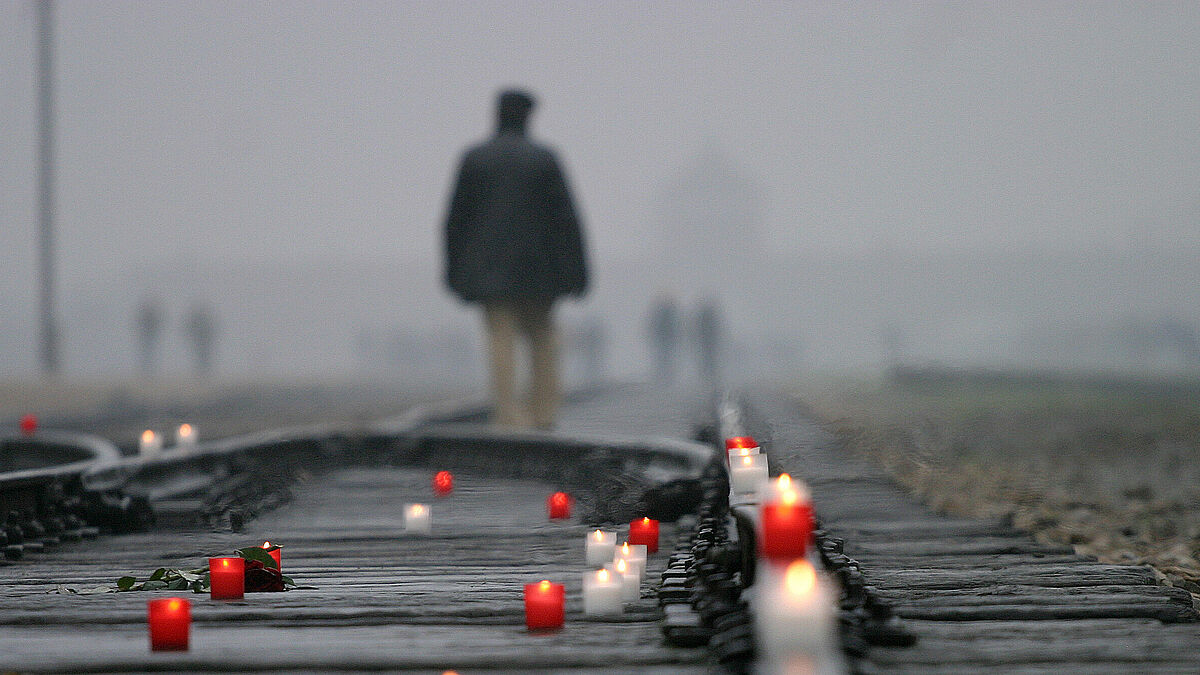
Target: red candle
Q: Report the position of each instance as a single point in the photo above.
(644, 531)
(544, 603)
(227, 578)
(559, 505)
(276, 552)
(443, 483)
(740, 442)
(170, 622)
(786, 530)
(29, 424)
(736, 442)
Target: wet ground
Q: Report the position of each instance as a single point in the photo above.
(978, 593)
(1110, 466)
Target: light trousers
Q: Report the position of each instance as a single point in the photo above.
(534, 322)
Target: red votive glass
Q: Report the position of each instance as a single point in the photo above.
(170, 621)
(736, 442)
(544, 602)
(29, 425)
(443, 483)
(559, 505)
(227, 578)
(276, 552)
(644, 531)
(786, 530)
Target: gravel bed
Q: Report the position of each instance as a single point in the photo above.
(1108, 465)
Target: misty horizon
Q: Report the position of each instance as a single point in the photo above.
(237, 154)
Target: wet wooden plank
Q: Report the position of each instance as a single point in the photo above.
(926, 527)
(946, 546)
(1028, 595)
(968, 574)
(1054, 576)
(998, 592)
(229, 647)
(384, 600)
(1098, 608)
(965, 561)
(1140, 646)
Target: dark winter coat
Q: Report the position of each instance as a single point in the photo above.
(512, 232)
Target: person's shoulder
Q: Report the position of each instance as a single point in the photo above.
(543, 151)
(542, 146)
(480, 148)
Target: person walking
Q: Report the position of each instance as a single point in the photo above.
(663, 329)
(514, 245)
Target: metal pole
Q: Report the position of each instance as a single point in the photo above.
(45, 63)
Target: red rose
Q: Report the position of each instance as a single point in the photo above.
(260, 579)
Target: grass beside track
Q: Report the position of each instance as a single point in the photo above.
(1109, 465)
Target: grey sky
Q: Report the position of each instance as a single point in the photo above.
(194, 135)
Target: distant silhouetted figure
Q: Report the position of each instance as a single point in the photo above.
(708, 341)
(514, 245)
(200, 327)
(663, 326)
(148, 324)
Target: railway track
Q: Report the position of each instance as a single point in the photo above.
(918, 592)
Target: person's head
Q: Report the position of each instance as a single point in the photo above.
(512, 110)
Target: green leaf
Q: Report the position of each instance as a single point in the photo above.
(178, 584)
(126, 583)
(158, 574)
(190, 576)
(258, 553)
(154, 585)
(287, 580)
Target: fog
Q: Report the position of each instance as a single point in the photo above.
(1006, 185)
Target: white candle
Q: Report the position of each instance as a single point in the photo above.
(746, 472)
(793, 612)
(784, 490)
(599, 547)
(631, 580)
(416, 518)
(150, 443)
(602, 593)
(744, 452)
(634, 556)
(185, 437)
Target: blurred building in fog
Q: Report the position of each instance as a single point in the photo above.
(707, 225)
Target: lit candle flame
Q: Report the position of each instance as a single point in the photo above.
(602, 576)
(266, 544)
(785, 481)
(544, 585)
(645, 520)
(599, 536)
(621, 566)
(748, 460)
(417, 509)
(148, 436)
(625, 549)
(800, 578)
(173, 604)
(185, 430)
(788, 497)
